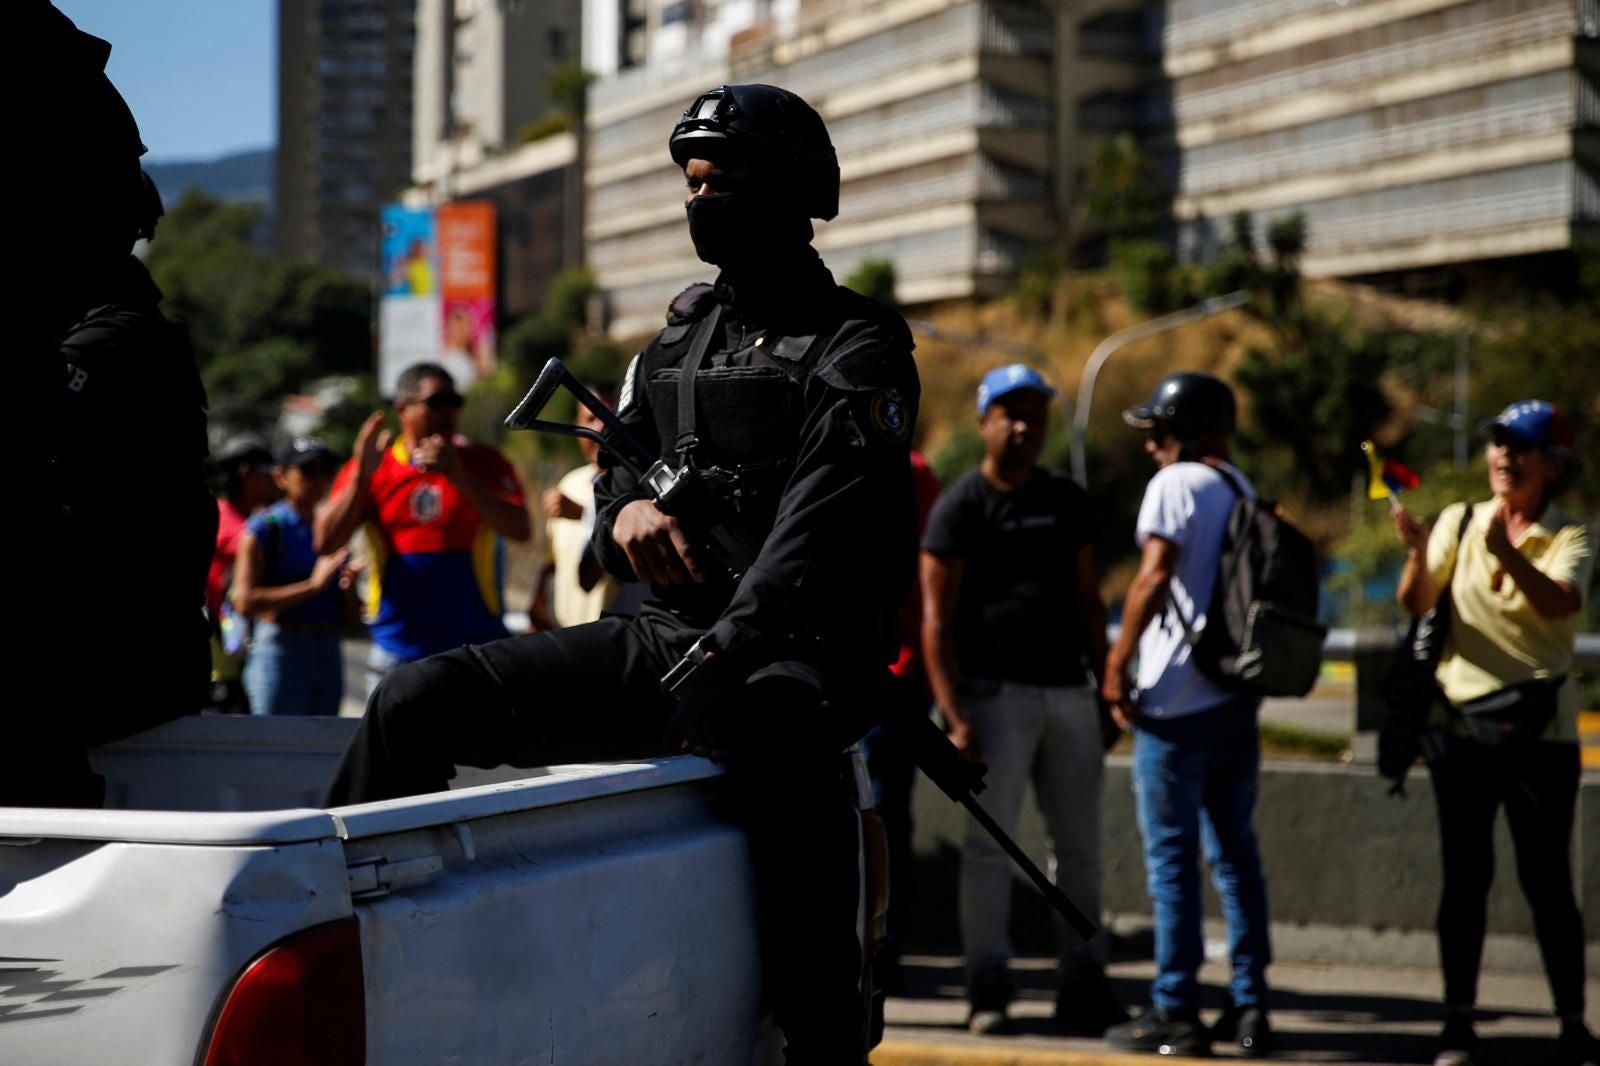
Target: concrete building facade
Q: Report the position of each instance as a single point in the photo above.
(942, 113)
(482, 71)
(1410, 133)
(344, 126)
(482, 76)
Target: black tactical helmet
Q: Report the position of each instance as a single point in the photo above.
(777, 127)
(1189, 404)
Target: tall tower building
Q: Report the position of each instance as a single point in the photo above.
(344, 126)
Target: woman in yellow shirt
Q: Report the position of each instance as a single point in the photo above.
(1516, 577)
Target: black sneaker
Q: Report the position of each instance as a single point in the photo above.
(1577, 1046)
(1162, 1032)
(1458, 1043)
(989, 994)
(1086, 1004)
(1248, 1027)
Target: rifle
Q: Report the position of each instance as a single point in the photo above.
(681, 493)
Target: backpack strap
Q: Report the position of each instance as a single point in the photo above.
(1227, 476)
(1191, 637)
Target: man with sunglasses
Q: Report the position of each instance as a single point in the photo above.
(434, 506)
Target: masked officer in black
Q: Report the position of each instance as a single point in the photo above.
(794, 399)
(123, 452)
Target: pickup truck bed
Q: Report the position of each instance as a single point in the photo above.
(586, 914)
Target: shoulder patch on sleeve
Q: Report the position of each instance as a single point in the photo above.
(690, 303)
(889, 415)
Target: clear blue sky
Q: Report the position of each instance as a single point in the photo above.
(200, 75)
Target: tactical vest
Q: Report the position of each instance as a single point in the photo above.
(748, 407)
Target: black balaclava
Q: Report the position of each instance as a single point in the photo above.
(740, 229)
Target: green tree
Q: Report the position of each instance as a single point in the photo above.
(874, 278)
(1149, 275)
(1313, 398)
(1124, 193)
(262, 328)
(568, 89)
(1315, 394)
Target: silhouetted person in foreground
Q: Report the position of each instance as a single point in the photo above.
(122, 458)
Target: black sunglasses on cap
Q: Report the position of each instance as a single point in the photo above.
(444, 401)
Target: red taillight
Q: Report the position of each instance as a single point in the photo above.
(301, 1001)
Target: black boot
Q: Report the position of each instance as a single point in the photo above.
(1458, 1043)
(1086, 1004)
(1577, 1046)
(1248, 1027)
(1162, 1032)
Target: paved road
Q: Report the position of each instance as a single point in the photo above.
(1323, 1014)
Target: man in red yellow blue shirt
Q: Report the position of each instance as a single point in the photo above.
(434, 507)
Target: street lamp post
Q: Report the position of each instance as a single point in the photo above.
(1106, 348)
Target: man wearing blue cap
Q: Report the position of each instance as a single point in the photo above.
(1013, 625)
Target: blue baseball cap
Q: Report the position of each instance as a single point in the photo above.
(1535, 423)
(1006, 379)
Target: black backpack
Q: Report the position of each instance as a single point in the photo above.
(1262, 636)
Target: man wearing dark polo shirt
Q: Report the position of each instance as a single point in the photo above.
(1012, 623)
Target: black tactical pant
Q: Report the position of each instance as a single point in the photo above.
(591, 693)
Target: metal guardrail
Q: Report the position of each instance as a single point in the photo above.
(1343, 645)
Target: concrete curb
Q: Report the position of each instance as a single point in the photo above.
(928, 1053)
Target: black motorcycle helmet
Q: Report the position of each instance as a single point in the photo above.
(1190, 404)
(780, 131)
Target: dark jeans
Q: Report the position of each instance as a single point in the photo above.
(893, 770)
(591, 693)
(1538, 785)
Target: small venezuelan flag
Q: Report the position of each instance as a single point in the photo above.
(1386, 479)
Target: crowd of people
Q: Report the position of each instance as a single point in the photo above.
(793, 401)
(1006, 638)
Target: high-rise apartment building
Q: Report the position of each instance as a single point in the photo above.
(942, 113)
(1410, 133)
(482, 75)
(344, 126)
(487, 128)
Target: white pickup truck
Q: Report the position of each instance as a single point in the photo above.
(215, 916)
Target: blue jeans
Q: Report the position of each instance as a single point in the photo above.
(293, 671)
(1195, 779)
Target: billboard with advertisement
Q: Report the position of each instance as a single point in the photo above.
(438, 301)
(466, 288)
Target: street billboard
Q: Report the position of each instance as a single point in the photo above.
(438, 303)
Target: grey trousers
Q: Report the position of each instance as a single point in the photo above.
(1051, 736)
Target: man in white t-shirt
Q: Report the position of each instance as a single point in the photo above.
(1196, 752)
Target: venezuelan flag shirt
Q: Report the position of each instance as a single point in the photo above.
(435, 579)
